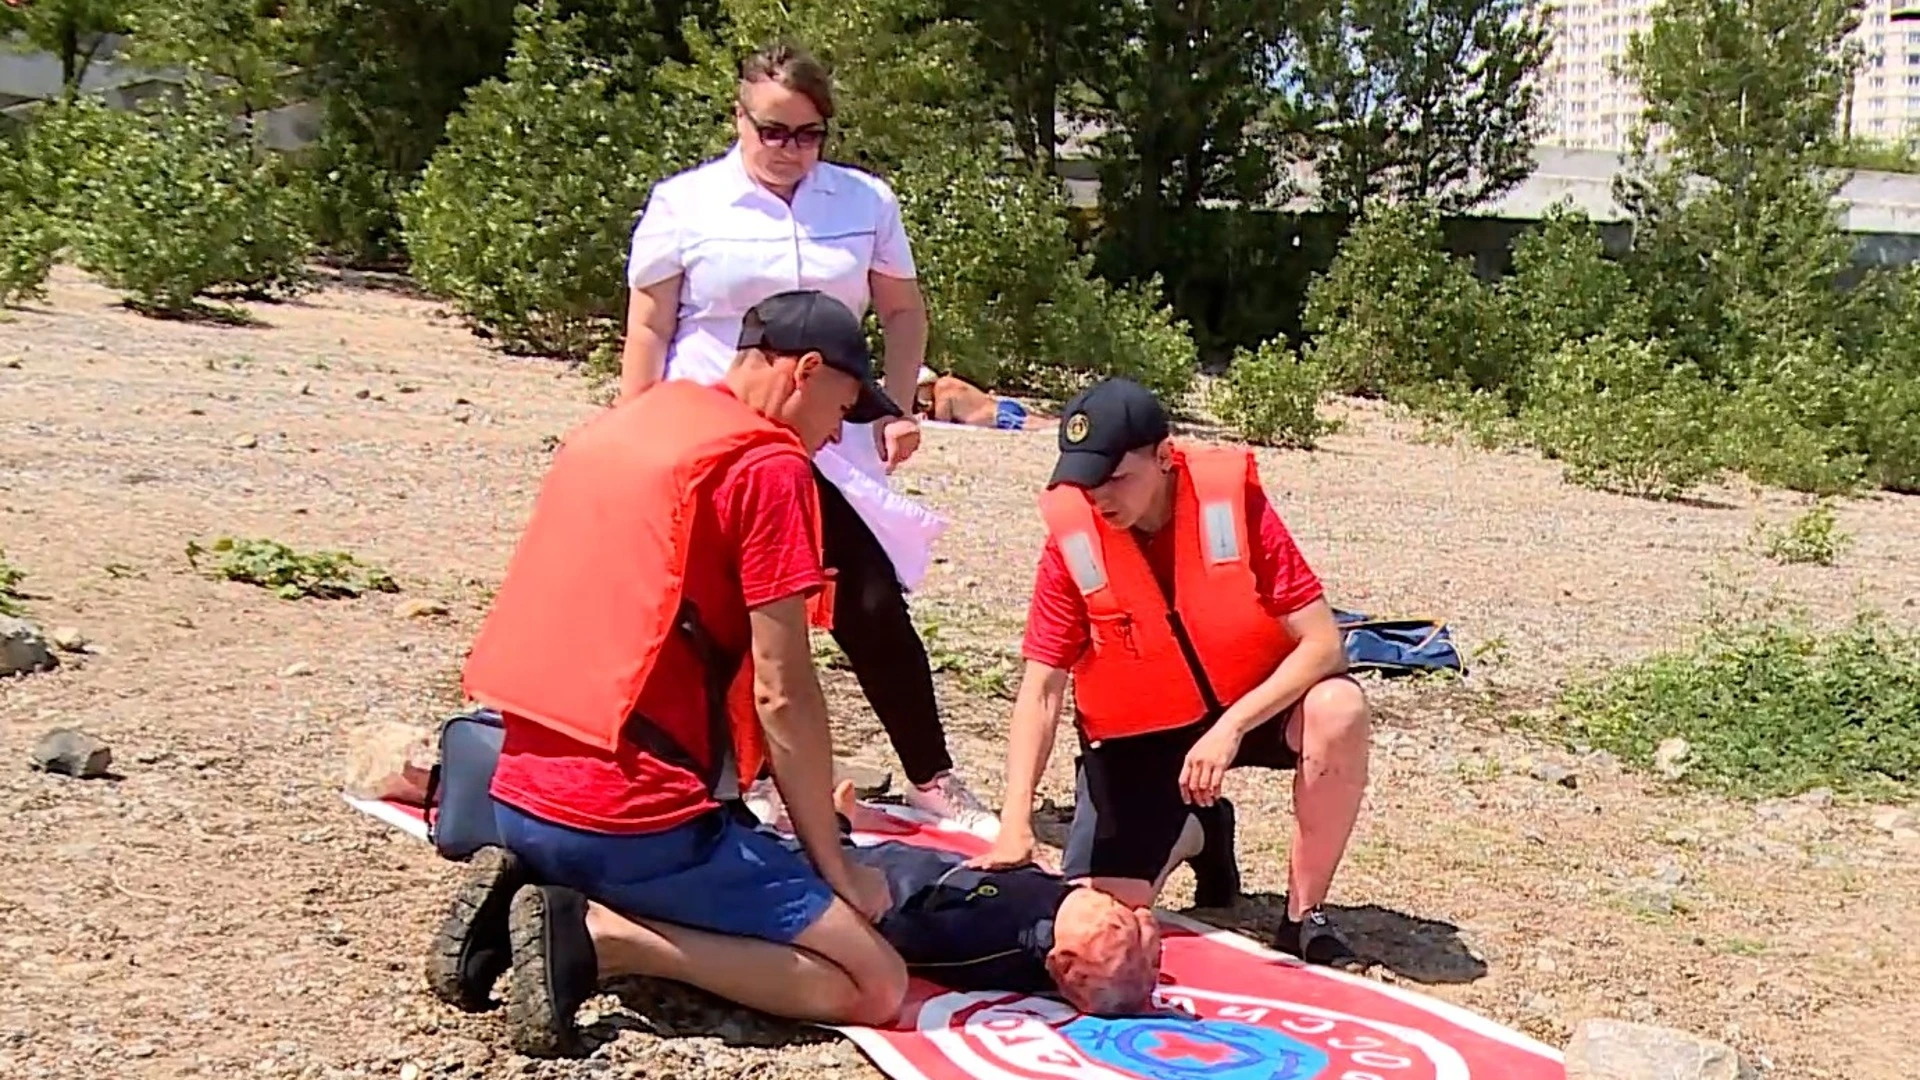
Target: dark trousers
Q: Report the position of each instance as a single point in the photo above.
(872, 626)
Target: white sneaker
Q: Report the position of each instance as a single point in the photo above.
(947, 797)
(763, 798)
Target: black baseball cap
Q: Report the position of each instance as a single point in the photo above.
(804, 321)
(1101, 425)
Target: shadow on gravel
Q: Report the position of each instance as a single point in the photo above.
(1413, 948)
(672, 1010)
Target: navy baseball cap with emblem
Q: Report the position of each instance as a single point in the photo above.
(1101, 425)
(802, 321)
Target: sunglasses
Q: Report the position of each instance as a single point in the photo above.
(806, 137)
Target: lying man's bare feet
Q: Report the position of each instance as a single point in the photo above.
(865, 818)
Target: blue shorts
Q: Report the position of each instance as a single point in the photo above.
(1010, 415)
(713, 873)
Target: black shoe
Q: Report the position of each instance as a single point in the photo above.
(1216, 870)
(1316, 940)
(554, 970)
(471, 949)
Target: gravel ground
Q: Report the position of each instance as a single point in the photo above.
(214, 909)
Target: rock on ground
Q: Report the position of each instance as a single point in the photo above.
(22, 649)
(1672, 757)
(74, 753)
(1604, 1049)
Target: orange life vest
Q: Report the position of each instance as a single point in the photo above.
(595, 586)
(1137, 674)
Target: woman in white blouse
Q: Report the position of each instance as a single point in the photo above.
(771, 216)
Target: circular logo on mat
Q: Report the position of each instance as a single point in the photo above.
(1202, 1035)
(1077, 427)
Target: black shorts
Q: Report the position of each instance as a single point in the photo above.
(1128, 810)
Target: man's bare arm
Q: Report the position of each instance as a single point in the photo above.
(793, 712)
(1036, 715)
(1319, 655)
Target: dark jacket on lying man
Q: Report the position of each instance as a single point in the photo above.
(1022, 930)
(968, 929)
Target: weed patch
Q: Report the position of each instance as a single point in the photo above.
(1812, 538)
(10, 579)
(324, 575)
(1768, 708)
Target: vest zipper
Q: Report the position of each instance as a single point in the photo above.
(1214, 708)
(1187, 651)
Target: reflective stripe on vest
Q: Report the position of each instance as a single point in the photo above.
(1134, 676)
(594, 586)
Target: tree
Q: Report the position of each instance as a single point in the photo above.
(1034, 58)
(1736, 235)
(1419, 100)
(386, 75)
(73, 30)
(1182, 90)
(249, 43)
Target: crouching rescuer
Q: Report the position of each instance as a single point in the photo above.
(1197, 640)
(648, 652)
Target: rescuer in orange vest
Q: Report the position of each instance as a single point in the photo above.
(1197, 639)
(647, 650)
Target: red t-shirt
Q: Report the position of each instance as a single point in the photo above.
(752, 544)
(1057, 615)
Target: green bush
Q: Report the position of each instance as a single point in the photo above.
(177, 202)
(29, 244)
(1794, 419)
(1775, 436)
(992, 255)
(1270, 397)
(1484, 417)
(1563, 289)
(1887, 411)
(1094, 328)
(39, 181)
(1769, 708)
(1395, 311)
(1621, 418)
(524, 216)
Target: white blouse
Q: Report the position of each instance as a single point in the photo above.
(734, 243)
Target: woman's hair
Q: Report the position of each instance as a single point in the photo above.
(794, 68)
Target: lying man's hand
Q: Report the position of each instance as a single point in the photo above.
(1013, 848)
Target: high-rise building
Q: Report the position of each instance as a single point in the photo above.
(1588, 105)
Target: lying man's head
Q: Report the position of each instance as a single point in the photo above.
(1106, 955)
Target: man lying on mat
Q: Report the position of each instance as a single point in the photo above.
(1020, 929)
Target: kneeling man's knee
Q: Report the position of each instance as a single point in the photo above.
(1337, 718)
(880, 992)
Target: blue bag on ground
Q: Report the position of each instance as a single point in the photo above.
(1395, 647)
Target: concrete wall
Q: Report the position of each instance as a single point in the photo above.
(27, 80)
(1874, 203)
